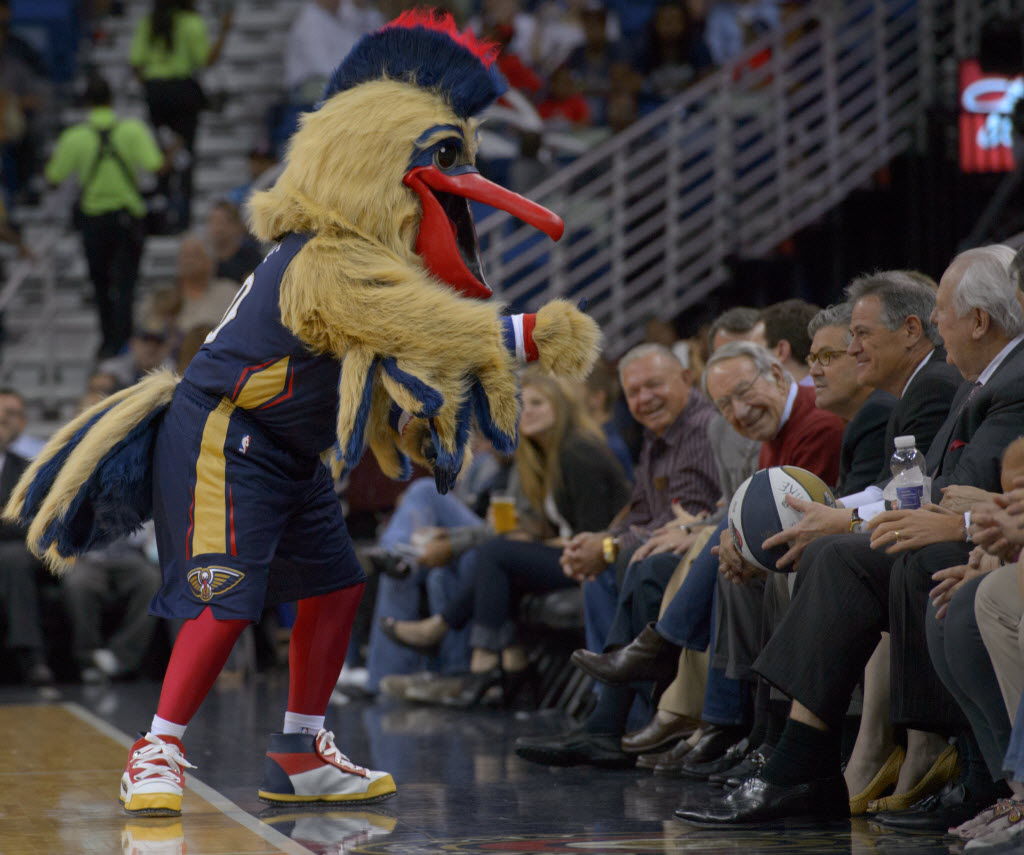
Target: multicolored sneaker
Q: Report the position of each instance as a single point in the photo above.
(302, 768)
(154, 779)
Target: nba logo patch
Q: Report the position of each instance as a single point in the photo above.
(243, 446)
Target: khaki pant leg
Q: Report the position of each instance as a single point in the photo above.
(685, 695)
(998, 609)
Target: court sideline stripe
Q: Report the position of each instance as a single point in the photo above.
(222, 803)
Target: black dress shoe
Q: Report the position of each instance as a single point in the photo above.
(658, 735)
(748, 767)
(647, 658)
(952, 805)
(575, 748)
(756, 801)
(700, 770)
(713, 743)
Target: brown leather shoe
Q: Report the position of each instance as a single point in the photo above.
(648, 657)
(658, 735)
(674, 755)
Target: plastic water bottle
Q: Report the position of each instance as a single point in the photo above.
(908, 474)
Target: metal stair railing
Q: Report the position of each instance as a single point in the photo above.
(737, 163)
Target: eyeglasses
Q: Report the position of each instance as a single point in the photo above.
(741, 392)
(823, 357)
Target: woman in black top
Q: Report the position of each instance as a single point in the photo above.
(570, 483)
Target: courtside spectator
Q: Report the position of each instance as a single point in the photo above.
(19, 592)
(22, 444)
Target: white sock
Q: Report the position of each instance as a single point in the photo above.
(298, 723)
(163, 727)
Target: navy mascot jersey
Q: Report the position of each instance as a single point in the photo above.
(259, 365)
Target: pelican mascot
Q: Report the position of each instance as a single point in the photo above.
(366, 324)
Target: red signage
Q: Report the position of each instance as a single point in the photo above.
(986, 104)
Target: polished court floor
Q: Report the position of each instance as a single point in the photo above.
(461, 789)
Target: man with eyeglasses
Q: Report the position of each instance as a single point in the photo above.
(897, 349)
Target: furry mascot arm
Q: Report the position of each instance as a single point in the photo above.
(439, 356)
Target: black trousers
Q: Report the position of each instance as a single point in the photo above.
(840, 608)
(962, 662)
(113, 245)
(640, 594)
(919, 698)
(176, 104)
(503, 571)
(19, 598)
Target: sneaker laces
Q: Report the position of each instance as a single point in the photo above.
(159, 760)
(326, 748)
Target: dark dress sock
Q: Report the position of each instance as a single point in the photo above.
(775, 721)
(803, 753)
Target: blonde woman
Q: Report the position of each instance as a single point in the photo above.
(570, 482)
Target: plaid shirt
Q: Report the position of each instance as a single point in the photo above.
(676, 466)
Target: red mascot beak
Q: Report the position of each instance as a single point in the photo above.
(447, 239)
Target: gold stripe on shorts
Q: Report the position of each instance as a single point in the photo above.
(210, 518)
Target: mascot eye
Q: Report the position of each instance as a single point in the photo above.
(446, 155)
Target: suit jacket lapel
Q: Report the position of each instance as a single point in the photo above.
(933, 460)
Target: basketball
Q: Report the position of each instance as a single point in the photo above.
(758, 509)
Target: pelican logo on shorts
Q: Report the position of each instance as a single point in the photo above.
(207, 582)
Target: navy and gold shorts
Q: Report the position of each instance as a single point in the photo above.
(241, 522)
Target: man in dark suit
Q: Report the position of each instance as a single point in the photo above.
(19, 594)
(843, 589)
(897, 350)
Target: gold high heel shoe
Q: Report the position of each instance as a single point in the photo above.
(945, 768)
(884, 779)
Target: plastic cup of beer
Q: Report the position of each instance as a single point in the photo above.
(503, 514)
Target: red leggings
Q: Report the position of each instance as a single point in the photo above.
(319, 642)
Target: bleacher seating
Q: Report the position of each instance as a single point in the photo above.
(49, 358)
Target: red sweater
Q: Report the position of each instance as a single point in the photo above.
(810, 439)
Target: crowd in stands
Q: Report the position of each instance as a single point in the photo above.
(705, 667)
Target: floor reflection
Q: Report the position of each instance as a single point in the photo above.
(461, 788)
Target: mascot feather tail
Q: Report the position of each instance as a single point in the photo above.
(93, 483)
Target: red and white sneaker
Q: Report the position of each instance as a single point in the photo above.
(154, 779)
(302, 768)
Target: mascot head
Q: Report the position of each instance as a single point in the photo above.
(389, 153)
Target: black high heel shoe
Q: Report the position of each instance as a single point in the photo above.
(387, 626)
(476, 687)
(513, 685)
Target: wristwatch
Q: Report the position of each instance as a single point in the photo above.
(856, 523)
(610, 549)
(967, 527)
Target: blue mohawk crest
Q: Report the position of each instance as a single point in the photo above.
(424, 48)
